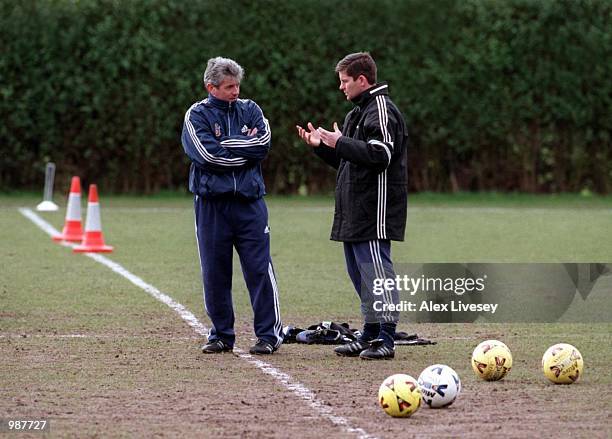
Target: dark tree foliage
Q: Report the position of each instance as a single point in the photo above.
(508, 95)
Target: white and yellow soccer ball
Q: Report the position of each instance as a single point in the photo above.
(399, 395)
(491, 360)
(440, 385)
(562, 364)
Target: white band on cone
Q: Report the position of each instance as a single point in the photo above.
(93, 223)
(73, 213)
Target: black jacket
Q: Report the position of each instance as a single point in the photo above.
(372, 180)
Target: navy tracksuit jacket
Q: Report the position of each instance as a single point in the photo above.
(225, 177)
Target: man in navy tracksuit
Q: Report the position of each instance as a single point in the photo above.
(226, 139)
(371, 197)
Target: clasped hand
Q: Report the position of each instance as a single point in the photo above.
(314, 137)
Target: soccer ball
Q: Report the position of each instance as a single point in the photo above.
(562, 364)
(399, 395)
(440, 386)
(491, 360)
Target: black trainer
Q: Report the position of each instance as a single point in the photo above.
(352, 349)
(216, 347)
(377, 351)
(262, 347)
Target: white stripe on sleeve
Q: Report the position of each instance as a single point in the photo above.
(204, 153)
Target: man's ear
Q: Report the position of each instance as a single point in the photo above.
(210, 87)
(363, 82)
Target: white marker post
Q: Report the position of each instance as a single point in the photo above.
(47, 205)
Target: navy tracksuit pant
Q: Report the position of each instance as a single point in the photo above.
(222, 225)
(368, 264)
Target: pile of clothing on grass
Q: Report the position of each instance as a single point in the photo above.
(341, 333)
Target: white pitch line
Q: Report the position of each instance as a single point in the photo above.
(285, 379)
(163, 298)
(44, 225)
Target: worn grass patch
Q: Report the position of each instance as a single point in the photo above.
(98, 356)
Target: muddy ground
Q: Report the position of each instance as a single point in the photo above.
(156, 383)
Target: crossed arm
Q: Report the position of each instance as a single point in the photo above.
(230, 152)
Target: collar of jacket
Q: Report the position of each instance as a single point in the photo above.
(382, 88)
(219, 103)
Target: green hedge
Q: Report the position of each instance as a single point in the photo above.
(499, 95)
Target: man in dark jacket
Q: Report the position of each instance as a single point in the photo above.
(226, 139)
(371, 197)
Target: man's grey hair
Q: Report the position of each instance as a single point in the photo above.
(219, 68)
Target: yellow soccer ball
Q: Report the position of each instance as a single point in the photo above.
(491, 360)
(399, 395)
(562, 364)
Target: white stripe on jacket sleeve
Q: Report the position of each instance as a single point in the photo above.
(204, 153)
(255, 141)
(378, 142)
(383, 118)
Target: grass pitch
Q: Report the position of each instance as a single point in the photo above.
(96, 355)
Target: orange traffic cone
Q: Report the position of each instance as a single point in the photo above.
(93, 240)
(73, 229)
